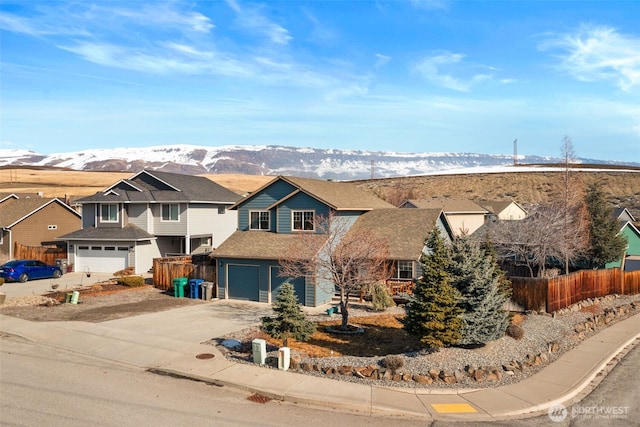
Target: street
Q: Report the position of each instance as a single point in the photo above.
(45, 386)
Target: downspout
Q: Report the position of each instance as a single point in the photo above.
(10, 243)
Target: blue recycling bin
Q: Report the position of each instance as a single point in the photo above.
(194, 288)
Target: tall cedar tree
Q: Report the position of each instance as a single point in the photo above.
(606, 244)
(433, 314)
(290, 321)
(482, 295)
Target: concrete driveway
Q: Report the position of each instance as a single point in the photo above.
(42, 286)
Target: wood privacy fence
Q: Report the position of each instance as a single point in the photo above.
(559, 292)
(167, 269)
(46, 254)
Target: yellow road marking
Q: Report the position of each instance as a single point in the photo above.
(447, 408)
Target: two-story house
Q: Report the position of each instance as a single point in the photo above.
(34, 221)
(150, 215)
(268, 222)
(630, 260)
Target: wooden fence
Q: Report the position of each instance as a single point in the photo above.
(46, 254)
(559, 292)
(167, 269)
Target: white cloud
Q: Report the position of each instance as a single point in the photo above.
(381, 60)
(252, 19)
(431, 68)
(594, 53)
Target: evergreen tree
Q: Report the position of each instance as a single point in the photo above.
(290, 321)
(605, 242)
(433, 313)
(482, 294)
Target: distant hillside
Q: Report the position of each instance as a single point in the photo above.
(623, 188)
(271, 160)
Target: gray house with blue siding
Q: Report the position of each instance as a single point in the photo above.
(269, 221)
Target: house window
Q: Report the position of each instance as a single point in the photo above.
(303, 220)
(259, 220)
(83, 248)
(109, 212)
(222, 209)
(52, 227)
(403, 270)
(170, 212)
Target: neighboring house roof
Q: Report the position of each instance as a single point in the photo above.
(449, 206)
(405, 230)
(259, 245)
(623, 214)
(128, 233)
(14, 211)
(495, 207)
(153, 186)
(337, 195)
(7, 196)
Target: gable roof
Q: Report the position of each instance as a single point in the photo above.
(449, 206)
(259, 245)
(13, 211)
(7, 196)
(405, 230)
(337, 195)
(156, 187)
(623, 214)
(495, 206)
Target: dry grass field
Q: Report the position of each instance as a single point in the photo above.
(64, 182)
(623, 188)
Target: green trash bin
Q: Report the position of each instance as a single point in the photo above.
(178, 286)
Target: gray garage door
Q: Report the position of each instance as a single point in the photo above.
(243, 282)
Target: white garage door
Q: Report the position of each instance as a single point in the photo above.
(102, 259)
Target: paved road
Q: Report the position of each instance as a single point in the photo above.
(44, 386)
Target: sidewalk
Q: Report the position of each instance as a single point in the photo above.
(157, 342)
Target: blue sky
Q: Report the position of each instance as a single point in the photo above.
(404, 76)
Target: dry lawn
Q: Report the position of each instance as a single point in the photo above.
(63, 182)
(383, 334)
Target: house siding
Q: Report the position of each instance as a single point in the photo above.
(261, 201)
(34, 230)
(633, 245)
(142, 256)
(298, 202)
(512, 212)
(89, 215)
(169, 228)
(465, 222)
(138, 215)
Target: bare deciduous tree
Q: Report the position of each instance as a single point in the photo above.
(339, 257)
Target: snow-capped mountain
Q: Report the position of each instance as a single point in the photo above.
(269, 160)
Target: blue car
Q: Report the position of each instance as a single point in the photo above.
(21, 270)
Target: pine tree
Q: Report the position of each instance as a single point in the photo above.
(606, 244)
(290, 321)
(433, 314)
(482, 295)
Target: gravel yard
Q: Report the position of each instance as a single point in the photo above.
(546, 338)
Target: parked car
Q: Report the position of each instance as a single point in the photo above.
(21, 270)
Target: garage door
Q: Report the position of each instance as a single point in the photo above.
(243, 282)
(102, 259)
(277, 282)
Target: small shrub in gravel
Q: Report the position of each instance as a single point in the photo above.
(131, 281)
(515, 331)
(393, 362)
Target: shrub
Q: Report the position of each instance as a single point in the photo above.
(380, 297)
(131, 281)
(514, 331)
(393, 362)
(290, 321)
